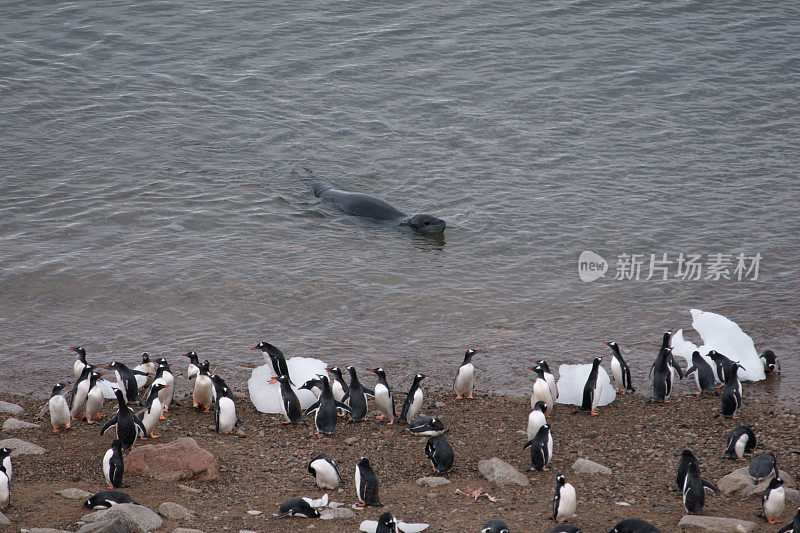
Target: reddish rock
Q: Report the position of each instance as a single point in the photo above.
(173, 461)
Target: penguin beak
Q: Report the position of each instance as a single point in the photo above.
(107, 367)
(187, 355)
(273, 380)
(253, 348)
(607, 343)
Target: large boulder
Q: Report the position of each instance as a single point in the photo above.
(13, 424)
(11, 408)
(180, 459)
(739, 482)
(21, 447)
(502, 473)
(715, 524)
(585, 466)
(135, 518)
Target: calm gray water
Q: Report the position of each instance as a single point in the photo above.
(146, 201)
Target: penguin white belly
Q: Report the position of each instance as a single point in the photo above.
(416, 405)
(202, 392)
(383, 400)
(536, 419)
(227, 415)
(79, 402)
(359, 488)
(5, 490)
(616, 373)
(94, 403)
(325, 474)
(168, 393)
(549, 446)
(107, 466)
(121, 385)
(338, 391)
(567, 504)
(551, 382)
(697, 380)
(8, 467)
(191, 374)
(775, 504)
(740, 445)
(77, 368)
(541, 393)
(141, 381)
(59, 412)
(150, 418)
(598, 392)
(465, 379)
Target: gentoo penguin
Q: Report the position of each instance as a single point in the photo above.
(388, 523)
(314, 385)
(366, 484)
(106, 498)
(688, 458)
(5, 489)
(5, 461)
(325, 407)
(339, 385)
(793, 526)
(383, 396)
(619, 369)
(703, 374)
(549, 378)
(413, 402)
(732, 394)
(151, 412)
(126, 381)
(740, 440)
(495, 526)
(774, 501)
(79, 393)
(129, 427)
(770, 361)
(193, 369)
(566, 528)
(541, 390)
(672, 364)
(148, 367)
(296, 507)
(356, 397)
(164, 376)
(273, 355)
(723, 364)
(325, 471)
(291, 405)
(464, 381)
(536, 419)
(80, 363)
(59, 411)
(225, 417)
(634, 525)
(427, 426)
(762, 467)
(440, 453)
(694, 495)
(593, 389)
(203, 395)
(564, 501)
(114, 465)
(662, 376)
(541, 448)
(94, 398)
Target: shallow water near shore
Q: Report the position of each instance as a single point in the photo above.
(147, 202)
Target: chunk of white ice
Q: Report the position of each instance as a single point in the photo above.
(266, 396)
(683, 348)
(726, 337)
(573, 378)
(107, 388)
(371, 526)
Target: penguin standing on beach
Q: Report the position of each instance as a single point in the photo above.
(732, 394)
(619, 369)
(325, 407)
(694, 494)
(383, 396)
(740, 440)
(5, 461)
(464, 382)
(564, 501)
(94, 398)
(541, 389)
(225, 417)
(129, 427)
(339, 385)
(79, 393)
(662, 376)
(688, 458)
(165, 377)
(413, 402)
(291, 405)
(114, 465)
(273, 355)
(541, 448)
(440, 453)
(193, 369)
(356, 397)
(773, 502)
(549, 378)
(770, 362)
(325, 471)
(59, 410)
(536, 419)
(314, 385)
(703, 374)
(126, 381)
(367, 484)
(5, 489)
(147, 366)
(203, 395)
(723, 364)
(593, 389)
(80, 362)
(151, 413)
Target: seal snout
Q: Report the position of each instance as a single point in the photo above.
(427, 223)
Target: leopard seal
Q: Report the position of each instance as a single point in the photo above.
(367, 206)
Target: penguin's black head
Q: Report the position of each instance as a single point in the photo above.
(283, 379)
(363, 462)
(420, 377)
(88, 504)
(193, 356)
(598, 360)
(352, 370)
(472, 351)
(60, 386)
(713, 354)
(260, 346)
(157, 387)
(388, 520)
(377, 371)
(80, 349)
(204, 367)
(561, 479)
(542, 406)
(145, 357)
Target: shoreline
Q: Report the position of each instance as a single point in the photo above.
(639, 441)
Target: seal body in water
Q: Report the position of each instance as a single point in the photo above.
(367, 206)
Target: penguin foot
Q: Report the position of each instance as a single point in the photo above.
(697, 393)
(143, 437)
(98, 416)
(206, 410)
(719, 386)
(55, 430)
(154, 436)
(458, 396)
(773, 521)
(379, 417)
(162, 417)
(390, 422)
(594, 413)
(471, 397)
(89, 421)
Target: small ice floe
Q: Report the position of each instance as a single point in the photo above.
(266, 396)
(389, 521)
(571, 380)
(107, 388)
(726, 337)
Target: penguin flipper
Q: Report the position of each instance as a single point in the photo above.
(45, 409)
(341, 405)
(369, 392)
(690, 370)
(346, 396)
(140, 427)
(111, 422)
(405, 408)
(313, 407)
(139, 373)
(710, 486)
(529, 443)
